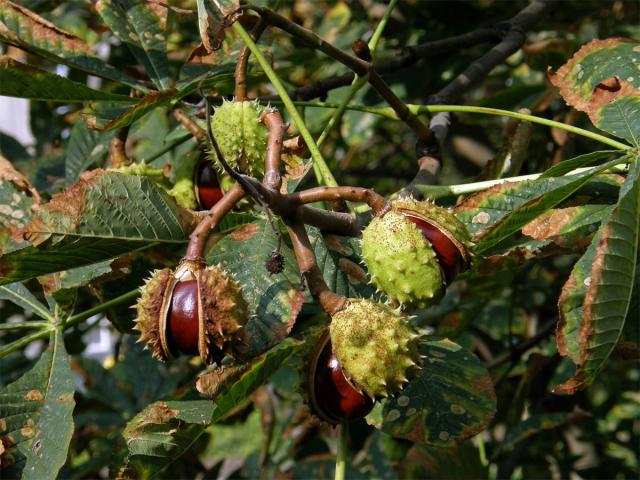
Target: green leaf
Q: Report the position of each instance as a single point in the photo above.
(274, 300)
(339, 260)
(514, 207)
(24, 29)
(150, 102)
(101, 217)
(84, 149)
(137, 26)
(622, 118)
(570, 164)
(24, 81)
(36, 416)
(163, 431)
(19, 294)
(449, 400)
(530, 427)
(598, 74)
(593, 306)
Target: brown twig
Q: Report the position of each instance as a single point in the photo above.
(277, 128)
(192, 127)
(198, 238)
(243, 61)
(328, 300)
(378, 203)
(117, 151)
(360, 66)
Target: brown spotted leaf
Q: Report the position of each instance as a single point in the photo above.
(274, 299)
(103, 216)
(496, 217)
(595, 300)
(138, 27)
(449, 400)
(36, 416)
(17, 202)
(23, 28)
(599, 73)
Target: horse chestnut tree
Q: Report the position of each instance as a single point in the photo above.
(238, 247)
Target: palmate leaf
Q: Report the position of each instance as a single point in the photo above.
(24, 81)
(449, 400)
(494, 215)
(103, 216)
(622, 117)
(85, 148)
(339, 260)
(27, 30)
(137, 26)
(274, 299)
(596, 298)
(19, 294)
(119, 117)
(36, 421)
(163, 431)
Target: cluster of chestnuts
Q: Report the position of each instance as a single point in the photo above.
(412, 250)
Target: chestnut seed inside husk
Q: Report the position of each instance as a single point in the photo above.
(447, 252)
(207, 186)
(335, 399)
(183, 319)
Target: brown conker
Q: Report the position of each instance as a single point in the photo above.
(447, 252)
(182, 319)
(333, 398)
(206, 185)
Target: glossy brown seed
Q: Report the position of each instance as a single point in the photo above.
(207, 187)
(183, 318)
(448, 254)
(337, 400)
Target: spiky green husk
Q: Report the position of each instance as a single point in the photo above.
(377, 347)
(148, 309)
(225, 312)
(443, 218)
(401, 262)
(182, 176)
(241, 136)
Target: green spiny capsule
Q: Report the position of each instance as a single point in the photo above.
(376, 346)
(414, 250)
(241, 136)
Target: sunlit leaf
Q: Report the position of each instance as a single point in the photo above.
(138, 27)
(596, 298)
(25, 29)
(449, 400)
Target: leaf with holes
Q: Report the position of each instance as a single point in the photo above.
(449, 400)
(27, 30)
(274, 300)
(103, 216)
(598, 74)
(36, 416)
(595, 300)
(138, 27)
